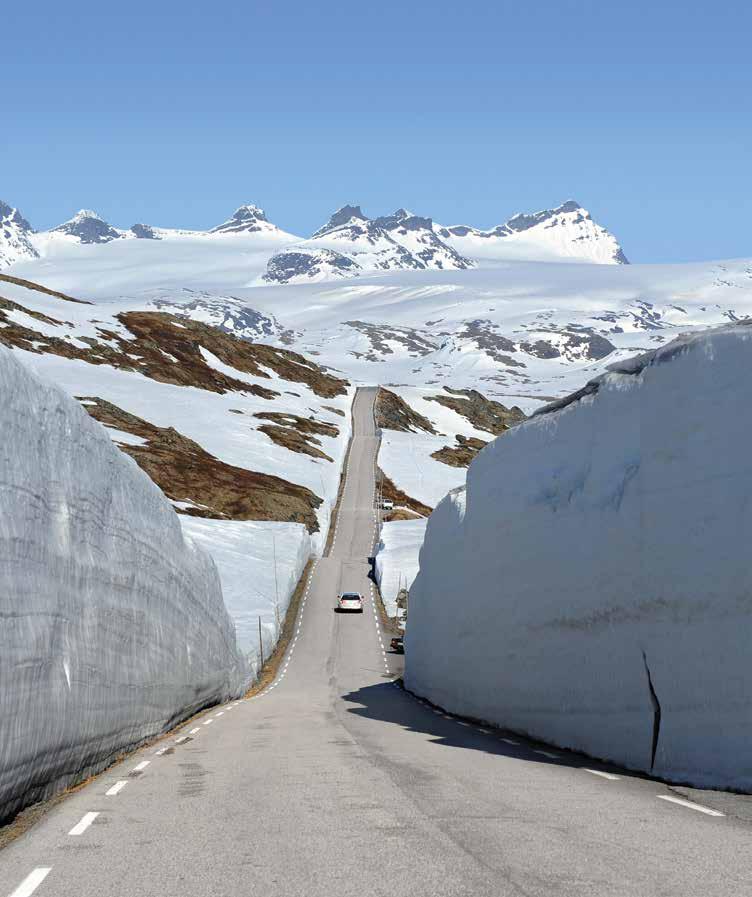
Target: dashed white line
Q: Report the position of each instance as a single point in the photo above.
(221, 713)
(193, 731)
(80, 827)
(182, 739)
(208, 722)
(690, 805)
(32, 882)
(162, 750)
(116, 788)
(510, 741)
(485, 731)
(141, 766)
(604, 775)
(460, 723)
(547, 754)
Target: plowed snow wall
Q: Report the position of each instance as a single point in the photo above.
(112, 624)
(603, 546)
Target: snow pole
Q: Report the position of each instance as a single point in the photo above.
(261, 646)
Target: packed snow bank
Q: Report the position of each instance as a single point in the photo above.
(113, 622)
(397, 559)
(260, 564)
(599, 572)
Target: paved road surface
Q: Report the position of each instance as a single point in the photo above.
(336, 782)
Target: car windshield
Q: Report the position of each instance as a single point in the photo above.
(351, 596)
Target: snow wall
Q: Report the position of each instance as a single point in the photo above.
(598, 570)
(112, 624)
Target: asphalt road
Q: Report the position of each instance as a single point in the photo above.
(336, 782)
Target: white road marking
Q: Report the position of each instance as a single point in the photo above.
(162, 750)
(221, 713)
(208, 722)
(116, 788)
(32, 882)
(485, 731)
(141, 766)
(80, 827)
(690, 805)
(509, 741)
(547, 754)
(467, 725)
(604, 775)
(181, 740)
(193, 731)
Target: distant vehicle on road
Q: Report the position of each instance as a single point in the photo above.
(387, 504)
(397, 644)
(351, 602)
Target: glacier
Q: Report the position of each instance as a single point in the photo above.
(113, 622)
(591, 586)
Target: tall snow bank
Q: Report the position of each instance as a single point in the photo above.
(600, 570)
(397, 559)
(112, 624)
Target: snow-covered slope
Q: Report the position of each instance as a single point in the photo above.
(113, 622)
(234, 433)
(567, 232)
(393, 242)
(15, 237)
(596, 572)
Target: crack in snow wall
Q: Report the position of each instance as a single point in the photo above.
(614, 529)
(112, 624)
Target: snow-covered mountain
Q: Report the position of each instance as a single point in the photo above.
(15, 237)
(88, 227)
(567, 232)
(350, 244)
(248, 219)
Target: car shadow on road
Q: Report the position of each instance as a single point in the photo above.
(389, 702)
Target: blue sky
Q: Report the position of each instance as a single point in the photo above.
(176, 113)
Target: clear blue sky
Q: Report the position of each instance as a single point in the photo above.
(174, 113)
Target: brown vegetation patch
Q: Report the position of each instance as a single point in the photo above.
(393, 413)
(298, 434)
(401, 499)
(184, 471)
(334, 410)
(30, 285)
(168, 349)
(482, 413)
(462, 454)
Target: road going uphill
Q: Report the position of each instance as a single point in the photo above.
(334, 781)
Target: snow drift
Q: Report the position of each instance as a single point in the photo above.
(113, 624)
(593, 589)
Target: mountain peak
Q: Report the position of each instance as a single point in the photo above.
(87, 226)
(9, 215)
(15, 230)
(340, 217)
(247, 218)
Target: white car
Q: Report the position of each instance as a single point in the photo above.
(350, 601)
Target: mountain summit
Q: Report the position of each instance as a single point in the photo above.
(567, 232)
(88, 227)
(15, 231)
(248, 219)
(354, 244)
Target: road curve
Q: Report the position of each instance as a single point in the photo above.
(336, 782)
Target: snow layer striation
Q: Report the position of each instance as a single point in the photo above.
(114, 625)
